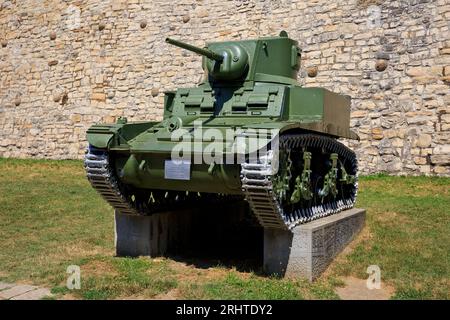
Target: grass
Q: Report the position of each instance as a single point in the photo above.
(409, 235)
(51, 218)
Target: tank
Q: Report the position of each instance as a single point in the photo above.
(247, 131)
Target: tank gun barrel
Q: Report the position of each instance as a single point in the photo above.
(204, 52)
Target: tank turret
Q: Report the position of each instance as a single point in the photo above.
(265, 59)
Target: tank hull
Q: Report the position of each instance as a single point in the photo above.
(208, 154)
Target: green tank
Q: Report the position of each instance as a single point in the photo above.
(248, 131)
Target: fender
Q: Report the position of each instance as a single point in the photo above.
(100, 136)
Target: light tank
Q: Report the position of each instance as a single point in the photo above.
(247, 131)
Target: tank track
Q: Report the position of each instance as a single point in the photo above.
(102, 176)
(258, 183)
(103, 179)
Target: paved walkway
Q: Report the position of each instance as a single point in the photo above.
(11, 291)
(356, 289)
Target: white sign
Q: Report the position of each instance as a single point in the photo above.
(177, 169)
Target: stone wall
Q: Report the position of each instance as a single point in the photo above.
(67, 64)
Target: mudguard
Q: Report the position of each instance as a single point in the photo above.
(100, 136)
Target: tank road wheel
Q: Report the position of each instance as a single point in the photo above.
(281, 182)
(317, 176)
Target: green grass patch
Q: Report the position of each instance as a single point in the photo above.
(51, 218)
(233, 286)
(409, 223)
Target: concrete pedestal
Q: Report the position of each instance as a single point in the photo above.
(217, 231)
(142, 235)
(224, 233)
(310, 248)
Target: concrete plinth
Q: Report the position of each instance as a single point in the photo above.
(141, 235)
(209, 231)
(310, 248)
(224, 232)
